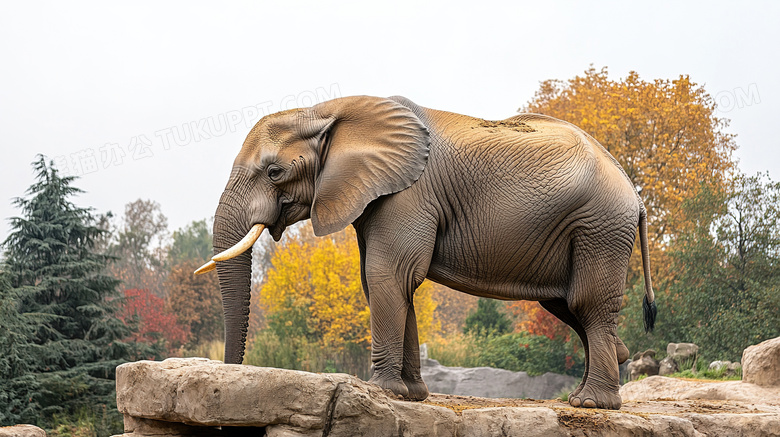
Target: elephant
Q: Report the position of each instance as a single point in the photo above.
(526, 208)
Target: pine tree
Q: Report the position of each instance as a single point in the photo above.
(57, 275)
(18, 387)
(487, 319)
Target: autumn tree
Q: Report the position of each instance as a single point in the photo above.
(315, 282)
(537, 321)
(664, 133)
(313, 289)
(155, 325)
(139, 244)
(196, 301)
(262, 253)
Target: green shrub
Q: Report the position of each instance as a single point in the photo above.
(456, 350)
(267, 349)
(701, 370)
(86, 423)
(516, 352)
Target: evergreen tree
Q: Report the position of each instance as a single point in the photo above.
(57, 276)
(18, 387)
(487, 319)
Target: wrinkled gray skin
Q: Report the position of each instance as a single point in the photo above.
(526, 208)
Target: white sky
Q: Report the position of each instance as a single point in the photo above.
(78, 77)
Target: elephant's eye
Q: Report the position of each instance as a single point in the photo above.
(275, 173)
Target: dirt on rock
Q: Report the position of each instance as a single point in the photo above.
(668, 407)
(597, 419)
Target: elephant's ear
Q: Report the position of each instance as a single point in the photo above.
(371, 147)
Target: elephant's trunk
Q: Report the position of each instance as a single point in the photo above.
(235, 274)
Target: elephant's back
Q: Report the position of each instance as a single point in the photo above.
(527, 157)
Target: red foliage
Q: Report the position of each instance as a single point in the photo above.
(154, 323)
(538, 321)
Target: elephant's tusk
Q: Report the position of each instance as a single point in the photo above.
(205, 268)
(242, 245)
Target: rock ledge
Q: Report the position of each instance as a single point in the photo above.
(197, 397)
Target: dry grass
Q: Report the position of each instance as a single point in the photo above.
(213, 350)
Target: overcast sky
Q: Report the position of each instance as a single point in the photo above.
(154, 100)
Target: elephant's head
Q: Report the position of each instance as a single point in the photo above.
(326, 162)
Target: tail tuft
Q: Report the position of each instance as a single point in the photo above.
(650, 310)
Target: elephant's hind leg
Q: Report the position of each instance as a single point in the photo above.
(560, 309)
(600, 263)
(410, 373)
(601, 384)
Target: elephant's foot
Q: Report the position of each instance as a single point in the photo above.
(418, 390)
(578, 389)
(396, 385)
(589, 397)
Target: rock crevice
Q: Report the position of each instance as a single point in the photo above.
(331, 410)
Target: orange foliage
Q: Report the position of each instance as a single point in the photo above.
(196, 301)
(537, 321)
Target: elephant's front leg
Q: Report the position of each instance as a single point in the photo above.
(410, 373)
(396, 245)
(388, 322)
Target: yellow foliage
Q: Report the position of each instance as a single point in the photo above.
(322, 276)
(424, 307)
(338, 306)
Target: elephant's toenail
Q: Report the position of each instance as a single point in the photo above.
(589, 403)
(575, 402)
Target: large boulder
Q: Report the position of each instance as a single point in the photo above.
(22, 431)
(199, 397)
(643, 363)
(728, 368)
(493, 383)
(684, 354)
(761, 363)
(663, 388)
(667, 366)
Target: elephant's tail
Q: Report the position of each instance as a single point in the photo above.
(649, 308)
